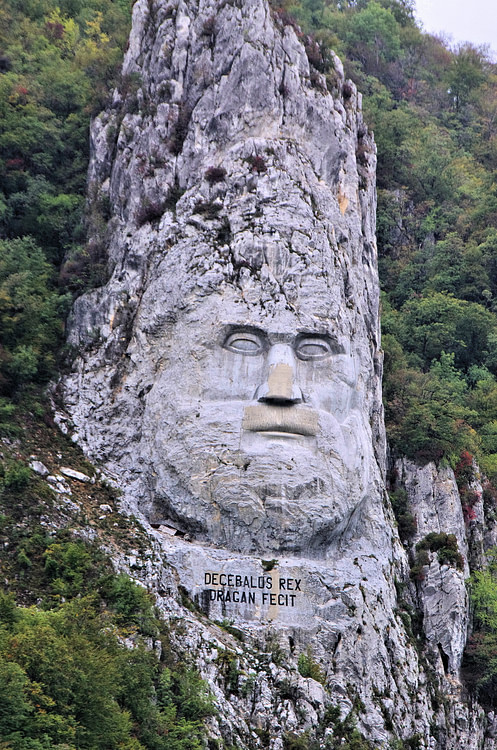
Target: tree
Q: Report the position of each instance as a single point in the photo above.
(30, 314)
(439, 322)
(372, 36)
(466, 74)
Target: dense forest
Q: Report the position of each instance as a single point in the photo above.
(433, 109)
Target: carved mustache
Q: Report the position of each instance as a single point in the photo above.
(299, 420)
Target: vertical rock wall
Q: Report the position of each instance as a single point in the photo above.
(228, 378)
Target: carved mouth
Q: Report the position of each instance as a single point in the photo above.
(291, 420)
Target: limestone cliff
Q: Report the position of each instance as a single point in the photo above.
(228, 379)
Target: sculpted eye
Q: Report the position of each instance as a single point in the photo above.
(312, 348)
(244, 343)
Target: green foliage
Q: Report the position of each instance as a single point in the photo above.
(438, 323)
(308, 667)
(131, 603)
(372, 35)
(227, 662)
(427, 414)
(466, 75)
(230, 628)
(69, 566)
(30, 314)
(15, 476)
(62, 60)
(268, 565)
(432, 109)
(479, 668)
(70, 58)
(185, 690)
(405, 520)
(484, 598)
(446, 547)
(345, 734)
(294, 741)
(66, 677)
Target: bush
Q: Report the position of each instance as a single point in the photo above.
(180, 129)
(405, 520)
(479, 667)
(446, 547)
(132, 604)
(293, 741)
(16, 476)
(345, 734)
(257, 163)
(215, 174)
(310, 668)
(149, 212)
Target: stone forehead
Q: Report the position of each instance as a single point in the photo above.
(259, 253)
(193, 285)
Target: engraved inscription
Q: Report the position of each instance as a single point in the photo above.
(249, 589)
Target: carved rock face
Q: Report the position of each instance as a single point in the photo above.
(255, 426)
(235, 387)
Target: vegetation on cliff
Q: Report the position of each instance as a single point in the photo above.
(85, 659)
(433, 111)
(58, 61)
(82, 675)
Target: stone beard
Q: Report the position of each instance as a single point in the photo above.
(268, 446)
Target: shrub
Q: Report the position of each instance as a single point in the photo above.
(345, 734)
(417, 570)
(405, 520)
(215, 174)
(208, 208)
(79, 273)
(479, 667)
(293, 741)
(464, 469)
(446, 547)
(257, 163)
(310, 668)
(209, 26)
(180, 129)
(67, 565)
(314, 54)
(149, 211)
(131, 602)
(228, 665)
(16, 476)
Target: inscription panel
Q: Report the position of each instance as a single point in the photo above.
(288, 592)
(270, 590)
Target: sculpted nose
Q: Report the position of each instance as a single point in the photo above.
(280, 386)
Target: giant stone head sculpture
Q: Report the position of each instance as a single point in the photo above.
(235, 383)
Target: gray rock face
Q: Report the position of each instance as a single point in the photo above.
(229, 373)
(240, 328)
(436, 506)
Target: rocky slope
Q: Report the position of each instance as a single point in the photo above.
(228, 379)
